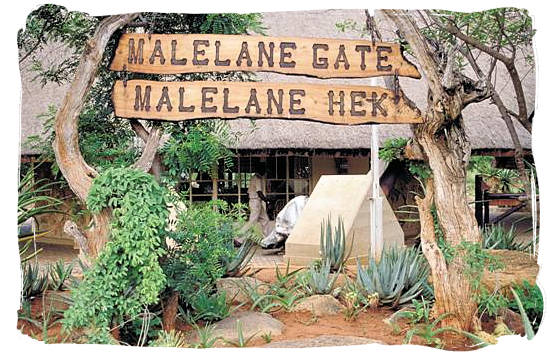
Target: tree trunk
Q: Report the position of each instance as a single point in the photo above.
(170, 312)
(76, 171)
(447, 151)
(453, 293)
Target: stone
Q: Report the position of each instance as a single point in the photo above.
(321, 305)
(252, 323)
(322, 341)
(518, 266)
(233, 288)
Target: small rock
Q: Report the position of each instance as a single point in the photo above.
(322, 341)
(233, 288)
(252, 323)
(320, 305)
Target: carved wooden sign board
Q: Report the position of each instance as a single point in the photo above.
(323, 58)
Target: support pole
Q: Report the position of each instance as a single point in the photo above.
(376, 238)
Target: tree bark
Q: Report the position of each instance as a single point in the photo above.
(447, 150)
(170, 312)
(156, 164)
(76, 171)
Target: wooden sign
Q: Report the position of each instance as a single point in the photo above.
(176, 101)
(191, 53)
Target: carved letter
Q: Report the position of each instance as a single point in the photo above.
(197, 52)
(132, 57)
(362, 49)
(284, 54)
(319, 63)
(271, 101)
(332, 102)
(217, 61)
(262, 52)
(204, 108)
(173, 59)
(341, 58)
(164, 99)
(244, 54)
(181, 107)
(253, 101)
(380, 58)
(377, 104)
(143, 102)
(226, 108)
(296, 101)
(157, 52)
(355, 103)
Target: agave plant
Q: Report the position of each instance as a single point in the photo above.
(497, 237)
(333, 244)
(238, 264)
(169, 339)
(318, 280)
(34, 283)
(399, 277)
(32, 202)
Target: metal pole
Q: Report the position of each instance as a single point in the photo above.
(376, 235)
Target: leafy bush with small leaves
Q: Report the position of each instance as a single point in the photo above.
(400, 276)
(491, 302)
(532, 302)
(126, 275)
(393, 149)
(34, 283)
(333, 244)
(204, 242)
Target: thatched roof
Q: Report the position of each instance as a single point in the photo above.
(484, 127)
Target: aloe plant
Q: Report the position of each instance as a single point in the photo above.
(238, 264)
(529, 332)
(399, 277)
(318, 280)
(333, 244)
(34, 283)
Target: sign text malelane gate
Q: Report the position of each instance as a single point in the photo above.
(320, 57)
(344, 104)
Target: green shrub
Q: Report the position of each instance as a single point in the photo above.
(126, 275)
(530, 297)
(399, 277)
(491, 303)
(204, 244)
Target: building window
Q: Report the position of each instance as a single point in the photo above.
(286, 177)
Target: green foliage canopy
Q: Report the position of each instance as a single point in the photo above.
(126, 276)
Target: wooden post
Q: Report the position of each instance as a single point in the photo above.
(478, 199)
(485, 209)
